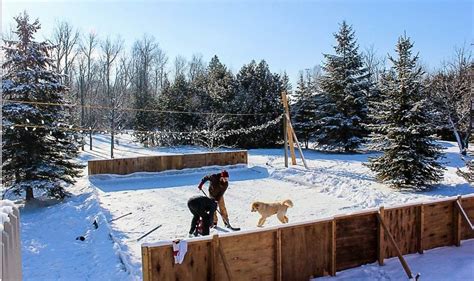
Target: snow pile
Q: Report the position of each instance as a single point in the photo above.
(6, 207)
(51, 244)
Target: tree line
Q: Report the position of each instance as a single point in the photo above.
(65, 89)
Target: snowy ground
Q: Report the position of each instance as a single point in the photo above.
(440, 264)
(335, 183)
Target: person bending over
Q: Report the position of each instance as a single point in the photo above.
(201, 207)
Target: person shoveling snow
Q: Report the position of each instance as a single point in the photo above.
(218, 184)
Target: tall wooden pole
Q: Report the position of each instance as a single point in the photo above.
(285, 137)
(289, 133)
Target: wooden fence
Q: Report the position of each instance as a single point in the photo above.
(10, 259)
(160, 163)
(313, 249)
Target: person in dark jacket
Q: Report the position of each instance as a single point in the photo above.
(202, 207)
(218, 184)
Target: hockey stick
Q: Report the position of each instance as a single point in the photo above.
(225, 221)
(120, 217)
(146, 234)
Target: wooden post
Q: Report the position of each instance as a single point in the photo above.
(457, 223)
(332, 249)
(420, 225)
(394, 244)
(213, 259)
(278, 274)
(380, 238)
(146, 266)
(285, 137)
(290, 136)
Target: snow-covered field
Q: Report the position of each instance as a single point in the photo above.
(335, 183)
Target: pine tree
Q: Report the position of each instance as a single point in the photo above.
(219, 90)
(259, 94)
(303, 111)
(409, 152)
(345, 88)
(37, 146)
(221, 86)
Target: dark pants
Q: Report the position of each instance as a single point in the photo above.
(202, 207)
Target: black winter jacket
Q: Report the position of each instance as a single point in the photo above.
(216, 187)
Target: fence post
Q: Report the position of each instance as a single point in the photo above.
(145, 264)
(332, 249)
(456, 223)
(278, 255)
(214, 253)
(420, 224)
(380, 238)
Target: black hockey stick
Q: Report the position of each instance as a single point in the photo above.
(146, 234)
(120, 217)
(225, 221)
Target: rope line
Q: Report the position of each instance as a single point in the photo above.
(133, 109)
(82, 129)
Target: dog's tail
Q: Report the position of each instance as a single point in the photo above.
(288, 203)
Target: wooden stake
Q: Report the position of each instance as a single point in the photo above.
(290, 135)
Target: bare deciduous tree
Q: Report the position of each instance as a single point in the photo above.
(451, 92)
(109, 53)
(86, 73)
(180, 66)
(65, 38)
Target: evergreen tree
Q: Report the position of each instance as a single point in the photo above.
(303, 111)
(144, 55)
(37, 146)
(176, 98)
(409, 152)
(221, 86)
(345, 88)
(259, 94)
(220, 89)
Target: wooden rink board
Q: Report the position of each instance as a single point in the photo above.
(311, 249)
(123, 166)
(356, 240)
(438, 224)
(402, 223)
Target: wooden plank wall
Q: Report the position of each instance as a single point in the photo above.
(249, 256)
(356, 236)
(123, 166)
(310, 242)
(438, 224)
(402, 223)
(313, 249)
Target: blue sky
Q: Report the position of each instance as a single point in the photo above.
(289, 35)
